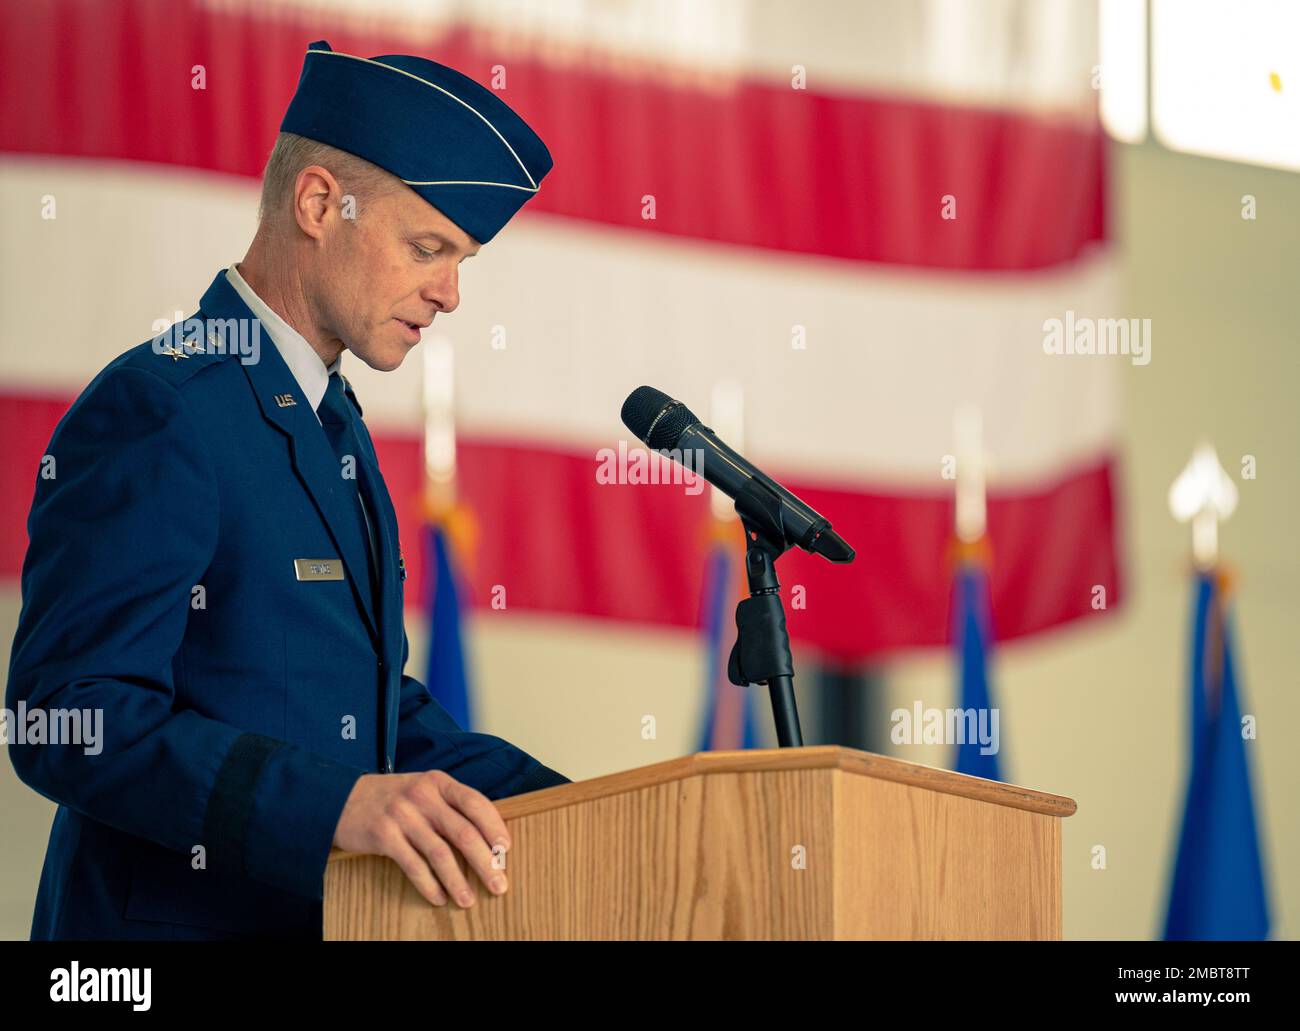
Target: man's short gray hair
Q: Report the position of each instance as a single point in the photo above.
(292, 153)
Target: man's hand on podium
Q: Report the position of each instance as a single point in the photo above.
(420, 821)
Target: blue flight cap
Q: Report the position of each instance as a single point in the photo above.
(454, 142)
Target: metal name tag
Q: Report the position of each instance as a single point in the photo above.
(318, 568)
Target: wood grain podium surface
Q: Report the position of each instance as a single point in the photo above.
(819, 842)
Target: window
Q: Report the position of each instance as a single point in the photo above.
(1224, 77)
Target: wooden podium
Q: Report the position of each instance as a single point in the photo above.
(818, 843)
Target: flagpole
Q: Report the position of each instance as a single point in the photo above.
(450, 535)
(1218, 888)
(972, 626)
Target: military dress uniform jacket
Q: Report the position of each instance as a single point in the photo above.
(239, 702)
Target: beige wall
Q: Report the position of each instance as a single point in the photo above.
(1098, 714)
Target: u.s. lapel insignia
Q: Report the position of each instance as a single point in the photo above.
(285, 400)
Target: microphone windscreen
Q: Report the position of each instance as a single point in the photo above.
(655, 418)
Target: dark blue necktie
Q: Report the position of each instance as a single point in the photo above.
(336, 417)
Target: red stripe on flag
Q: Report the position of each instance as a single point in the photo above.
(559, 542)
(752, 163)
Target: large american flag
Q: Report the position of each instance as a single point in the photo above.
(743, 191)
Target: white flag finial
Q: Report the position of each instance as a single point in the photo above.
(1203, 495)
(972, 501)
(439, 411)
(727, 420)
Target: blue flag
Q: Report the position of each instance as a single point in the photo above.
(729, 714)
(1218, 890)
(972, 630)
(446, 677)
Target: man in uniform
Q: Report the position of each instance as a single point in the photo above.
(214, 567)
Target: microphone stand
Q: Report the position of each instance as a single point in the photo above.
(761, 654)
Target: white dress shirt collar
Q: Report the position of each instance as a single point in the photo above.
(303, 361)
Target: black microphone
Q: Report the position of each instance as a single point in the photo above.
(663, 424)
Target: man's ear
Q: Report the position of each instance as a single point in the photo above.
(312, 192)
